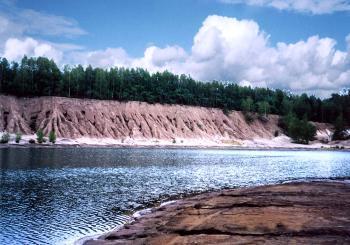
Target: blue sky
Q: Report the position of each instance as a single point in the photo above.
(136, 24)
(252, 42)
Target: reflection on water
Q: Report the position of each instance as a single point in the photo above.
(52, 196)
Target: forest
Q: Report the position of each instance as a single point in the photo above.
(40, 76)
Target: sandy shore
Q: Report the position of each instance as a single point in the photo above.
(280, 142)
(298, 213)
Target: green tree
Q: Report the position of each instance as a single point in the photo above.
(40, 136)
(339, 127)
(263, 108)
(247, 104)
(18, 137)
(52, 137)
(5, 138)
(301, 131)
(308, 130)
(39, 76)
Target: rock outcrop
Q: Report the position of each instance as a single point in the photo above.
(75, 118)
(294, 213)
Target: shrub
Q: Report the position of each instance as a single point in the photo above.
(277, 133)
(31, 141)
(339, 129)
(5, 138)
(52, 137)
(40, 136)
(301, 131)
(226, 111)
(174, 141)
(18, 137)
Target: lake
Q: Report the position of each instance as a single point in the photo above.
(57, 195)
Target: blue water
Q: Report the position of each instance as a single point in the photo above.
(57, 195)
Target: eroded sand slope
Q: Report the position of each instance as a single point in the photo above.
(75, 118)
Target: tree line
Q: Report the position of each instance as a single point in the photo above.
(40, 76)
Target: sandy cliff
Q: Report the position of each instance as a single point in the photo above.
(75, 118)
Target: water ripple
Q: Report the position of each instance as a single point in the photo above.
(55, 196)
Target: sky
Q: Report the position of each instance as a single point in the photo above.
(296, 45)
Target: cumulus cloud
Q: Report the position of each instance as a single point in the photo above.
(238, 50)
(15, 49)
(225, 49)
(19, 24)
(306, 6)
(102, 58)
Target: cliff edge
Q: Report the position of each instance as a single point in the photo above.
(76, 118)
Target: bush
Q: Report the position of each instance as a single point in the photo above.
(40, 136)
(5, 138)
(174, 141)
(226, 111)
(52, 137)
(31, 141)
(18, 137)
(301, 131)
(339, 129)
(277, 133)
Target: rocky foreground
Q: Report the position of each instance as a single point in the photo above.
(293, 213)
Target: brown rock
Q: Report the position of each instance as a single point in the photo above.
(293, 213)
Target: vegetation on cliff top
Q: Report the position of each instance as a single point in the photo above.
(41, 77)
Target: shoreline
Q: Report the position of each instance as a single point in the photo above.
(277, 143)
(192, 147)
(134, 232)
(137, 214)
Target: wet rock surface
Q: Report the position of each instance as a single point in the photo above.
(292, 213)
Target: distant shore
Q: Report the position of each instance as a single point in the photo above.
(297, 212)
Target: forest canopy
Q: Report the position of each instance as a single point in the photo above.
(40, 76)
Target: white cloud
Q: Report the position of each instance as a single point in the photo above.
(238, 50)
(29, 22)
(18, 25)
(223, 49)
(21, 23)
(306, 6)
(102, 58)
(15, 49)
(46, 24)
